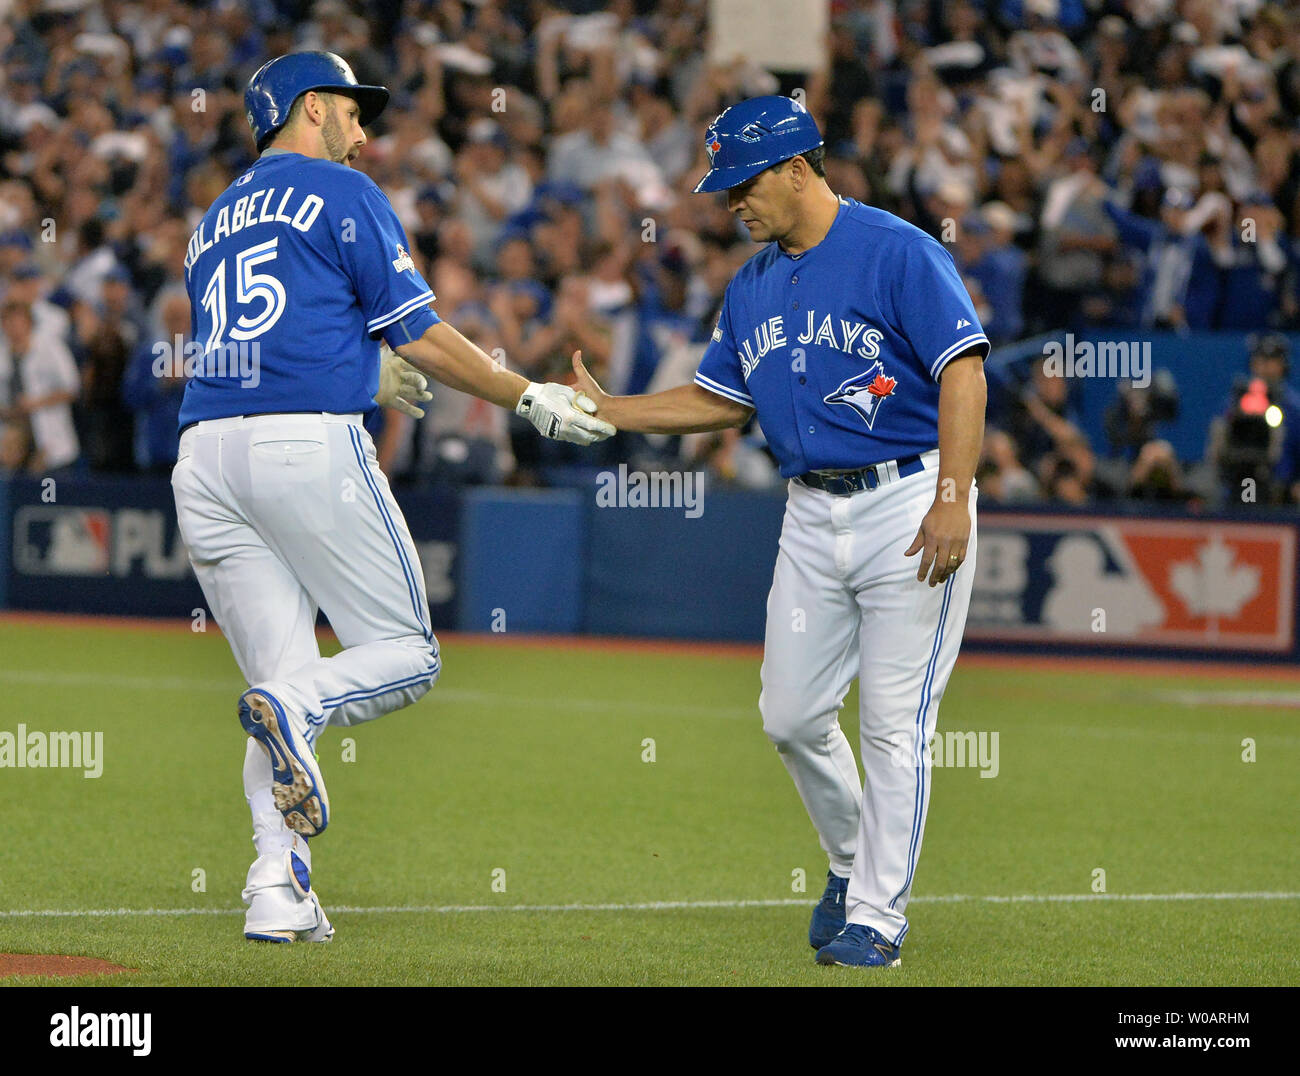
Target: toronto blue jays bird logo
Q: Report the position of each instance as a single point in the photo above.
(864, 392)
(711, 147)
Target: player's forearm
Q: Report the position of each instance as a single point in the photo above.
(963, 395)
(687, 409)
(452, 360)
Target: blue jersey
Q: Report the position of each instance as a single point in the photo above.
(293, 275)
(839, 349)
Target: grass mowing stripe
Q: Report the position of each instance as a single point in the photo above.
(654, 905)
(444, 694)
(1179, 736)
(473, 697)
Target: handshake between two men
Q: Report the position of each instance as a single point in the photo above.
(558, 412)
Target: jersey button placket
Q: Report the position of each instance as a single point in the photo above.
(795, 280)
(794, 305)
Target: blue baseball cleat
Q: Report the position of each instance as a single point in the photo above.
(299, 788)
(860, 946)
(828, 914)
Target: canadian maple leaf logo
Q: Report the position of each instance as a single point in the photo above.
(882, 386)
(1214, 584)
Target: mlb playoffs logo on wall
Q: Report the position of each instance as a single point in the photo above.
(62, 541)
(1085, 580)
(84, 541)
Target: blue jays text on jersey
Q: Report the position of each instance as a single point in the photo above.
(300, 266)
(839, 349)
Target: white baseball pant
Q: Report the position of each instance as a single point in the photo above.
(845, 602)
(283, 515)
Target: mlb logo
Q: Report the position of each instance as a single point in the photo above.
(51, 540)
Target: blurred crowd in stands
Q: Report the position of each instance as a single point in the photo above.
(1127, 165)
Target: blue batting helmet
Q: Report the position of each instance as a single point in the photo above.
(280, 82)
(754, 135)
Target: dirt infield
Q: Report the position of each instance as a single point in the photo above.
(55, 965)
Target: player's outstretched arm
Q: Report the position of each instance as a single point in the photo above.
(686, 409)
(555, 410)
(452, 360)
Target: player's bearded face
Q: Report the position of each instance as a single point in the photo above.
(341, 131)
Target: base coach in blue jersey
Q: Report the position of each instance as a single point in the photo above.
(851, 337)
(295, 274)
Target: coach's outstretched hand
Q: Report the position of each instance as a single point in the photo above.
(562, 414)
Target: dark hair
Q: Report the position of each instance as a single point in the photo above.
(816, 159)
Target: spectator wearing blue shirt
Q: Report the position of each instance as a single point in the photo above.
(1258, 267)
(988, 255)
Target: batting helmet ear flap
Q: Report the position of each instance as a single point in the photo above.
(280, 82)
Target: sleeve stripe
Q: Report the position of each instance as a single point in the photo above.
(960, 345)
(722, 390)
(375, 324)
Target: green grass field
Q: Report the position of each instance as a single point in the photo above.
(529, 760)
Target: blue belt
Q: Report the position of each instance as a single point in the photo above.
(843, 483)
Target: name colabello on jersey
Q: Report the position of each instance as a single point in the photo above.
(255, 208)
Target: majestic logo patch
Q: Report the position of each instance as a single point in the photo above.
(403, 261)
(864, 392)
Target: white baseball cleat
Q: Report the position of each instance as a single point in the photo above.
(282, 906)
(299, 787)
(323, 931)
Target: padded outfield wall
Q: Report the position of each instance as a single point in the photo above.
(555, 561)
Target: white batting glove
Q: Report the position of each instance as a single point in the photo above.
(401, 385)
(563, 415)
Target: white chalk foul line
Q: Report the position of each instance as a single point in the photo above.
(645, 906)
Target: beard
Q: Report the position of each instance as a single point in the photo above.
(332, 134)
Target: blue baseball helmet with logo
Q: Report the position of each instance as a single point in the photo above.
(280, 82)
(754, 135)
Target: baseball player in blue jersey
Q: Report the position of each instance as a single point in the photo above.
(852, 339)
(295, 274)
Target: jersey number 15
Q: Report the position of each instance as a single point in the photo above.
(250, 286)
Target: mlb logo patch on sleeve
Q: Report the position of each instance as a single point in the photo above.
(403, 262)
